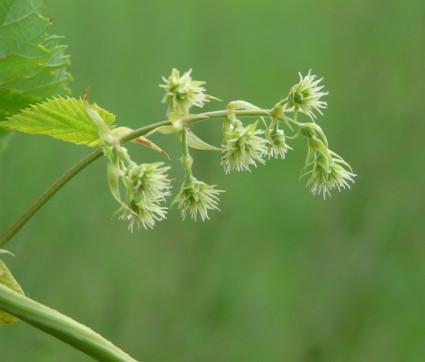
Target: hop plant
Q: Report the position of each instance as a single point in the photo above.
(305, 96)
(197, 197)
(181, 93)
(242, 146)
(147, 185)
(327, 170)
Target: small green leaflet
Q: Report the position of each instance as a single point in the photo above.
(7, 279)
(62, 118)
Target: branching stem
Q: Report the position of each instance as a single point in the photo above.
(17, 225)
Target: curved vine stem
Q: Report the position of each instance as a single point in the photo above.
(43, 198)
(60, 326)
(17, 225)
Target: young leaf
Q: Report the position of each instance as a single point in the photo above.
(7, 279)
(62, 118)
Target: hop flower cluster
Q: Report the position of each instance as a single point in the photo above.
(197, 197)
(305, 96)
(242, 146)
(327, 170)
(181, 93)
(146, 186)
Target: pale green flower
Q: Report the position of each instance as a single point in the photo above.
(181, 93)
(305, 96)
(276, 144)
(146, 186)
(242, 147)
(147, 181)
(145, 213)
(327, 170)
(197, 197)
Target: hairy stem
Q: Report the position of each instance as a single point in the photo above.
(73, 171)
(60, 326)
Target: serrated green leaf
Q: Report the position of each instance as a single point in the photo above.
(62, 118)
(7, 279)
(32, 63)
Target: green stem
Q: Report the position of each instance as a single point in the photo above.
(187, 160)
(192, 119)
(40, 201)
(60, 326)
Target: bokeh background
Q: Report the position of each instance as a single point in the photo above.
(277, 275)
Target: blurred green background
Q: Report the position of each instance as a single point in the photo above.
(277, 275)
